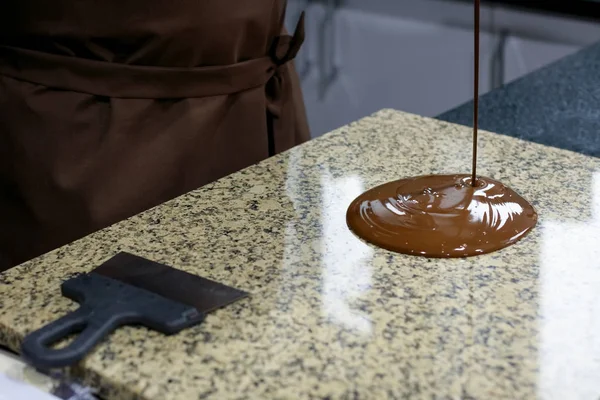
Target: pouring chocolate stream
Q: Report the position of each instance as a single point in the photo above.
(455, 215)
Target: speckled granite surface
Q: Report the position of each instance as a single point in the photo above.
(558, 105)
(331, 317)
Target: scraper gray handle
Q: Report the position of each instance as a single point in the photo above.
(90, 326)
(106, 304)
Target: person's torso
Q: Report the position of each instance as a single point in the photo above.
(169, 33)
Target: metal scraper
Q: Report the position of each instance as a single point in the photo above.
(125, 290)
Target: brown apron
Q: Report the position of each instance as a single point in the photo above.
(108, 108)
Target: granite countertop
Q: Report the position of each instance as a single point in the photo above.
(558, 105)
(332, 317)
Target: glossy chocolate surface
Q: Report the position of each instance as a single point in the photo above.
(441, 216)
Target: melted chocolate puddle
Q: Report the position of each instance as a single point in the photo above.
(443, 215)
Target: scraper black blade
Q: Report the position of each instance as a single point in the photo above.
(203, 294)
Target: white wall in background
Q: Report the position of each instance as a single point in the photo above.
(415, 66)
(384, 62)
(417, 56)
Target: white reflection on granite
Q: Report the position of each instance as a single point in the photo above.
(570, 306)
(346, 261)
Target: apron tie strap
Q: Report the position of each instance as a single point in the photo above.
(284, 49)
(145, 82)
